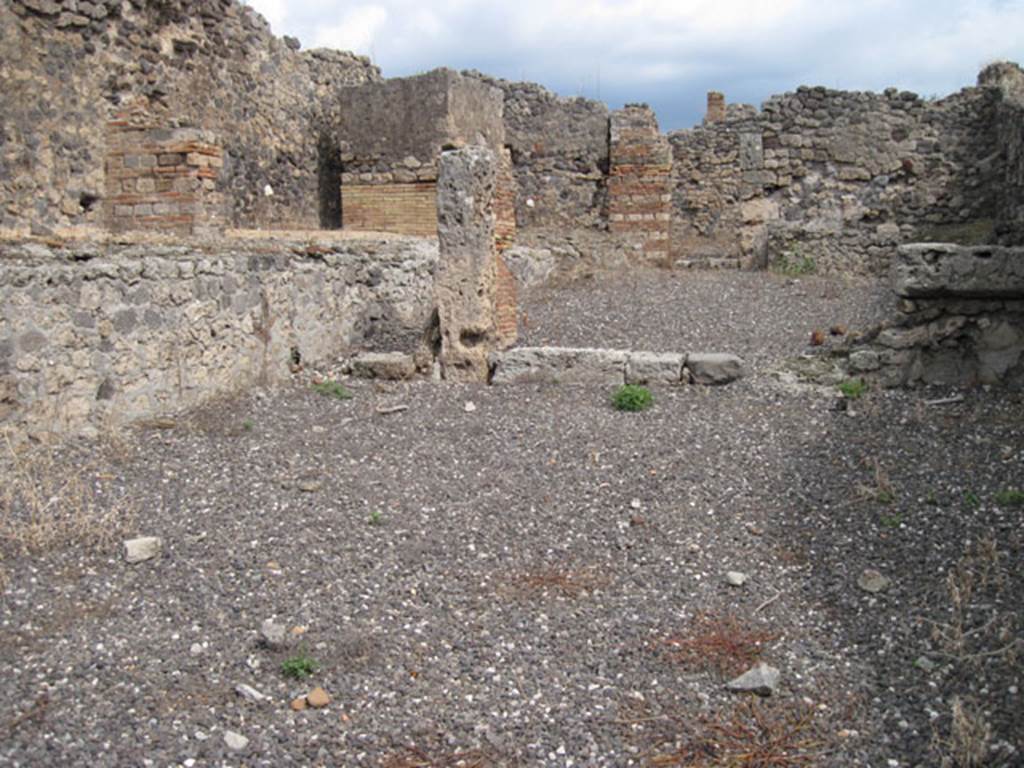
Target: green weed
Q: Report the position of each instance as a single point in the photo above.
(298, 667)
(853, 388)
(631, 397)
(331, 388)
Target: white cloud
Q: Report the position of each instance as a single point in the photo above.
(646, 50)
(357, 31)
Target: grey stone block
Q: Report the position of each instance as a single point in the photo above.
(383, 365)
(559, 365)
(655, 367)
(714, 368)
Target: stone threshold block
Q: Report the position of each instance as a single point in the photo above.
(568, 365)
(394, 366)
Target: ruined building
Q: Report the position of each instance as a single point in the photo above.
(189, 120)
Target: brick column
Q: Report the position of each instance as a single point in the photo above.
(716, 107)
(639, 184)
(507, 310)
(162, 180)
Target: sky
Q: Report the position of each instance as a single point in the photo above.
(669, 53)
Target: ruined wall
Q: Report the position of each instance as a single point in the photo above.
(68, 67)
(560, 155)
(961, 320)
(391, 135)
(94, 335)
(639, 183)
(836, 176)
(1008, 80)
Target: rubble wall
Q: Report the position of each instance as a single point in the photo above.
(96, 335)
(67, 68)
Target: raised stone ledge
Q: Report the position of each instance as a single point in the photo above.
(571, 365)
(945, 271)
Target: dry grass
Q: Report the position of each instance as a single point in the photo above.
(969, 738)
(751, 735)
(46, 504)
(722, 644)
(555, 581)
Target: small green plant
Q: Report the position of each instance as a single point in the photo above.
(248, 425)
(376, 518)
(332, 388)
(891, 521)
(299, 666)
(631, 397)
(971, 500)
(793, 264)
(1010, 497)
(932, 499)
(853, 388)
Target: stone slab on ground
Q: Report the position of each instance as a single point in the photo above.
(655, 367)
(383, 365)
(714, 367)
(559, 365)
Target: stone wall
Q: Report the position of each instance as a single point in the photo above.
(961, 320)
(837, 177)
(639, 183)
(93, 335)
(67, 68)
(162, 180)
(1008, 80)
(560, 154)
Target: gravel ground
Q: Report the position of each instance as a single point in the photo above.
(539, 580)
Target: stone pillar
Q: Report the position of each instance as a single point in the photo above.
(640, 183)
(466, 284)
(716, 107)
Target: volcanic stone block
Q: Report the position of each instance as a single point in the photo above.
(467, 273)
(383, 365)
(559, 365)
(714, 368)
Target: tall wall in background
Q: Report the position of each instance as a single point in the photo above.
(560, 155)
(66, 68)
(842, 177)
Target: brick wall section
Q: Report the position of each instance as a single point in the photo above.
(162, 180)
(405, 208)
(506, 307)
(716, 107)
(639, 184)
(506, 291)
(505, 201)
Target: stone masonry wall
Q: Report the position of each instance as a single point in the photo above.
(639, 184)
(163, 180)
(560, 155)
(68, 67)
(840, 177)
(1008, 79)
(92, 336)
(960, 323)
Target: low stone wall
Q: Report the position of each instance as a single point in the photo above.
(961, 320)
(93, 335)
(571, 365)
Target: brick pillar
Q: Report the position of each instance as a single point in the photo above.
(716, 107)
(466, 284)
(640, 184)
(162, 180)
(507, 310)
